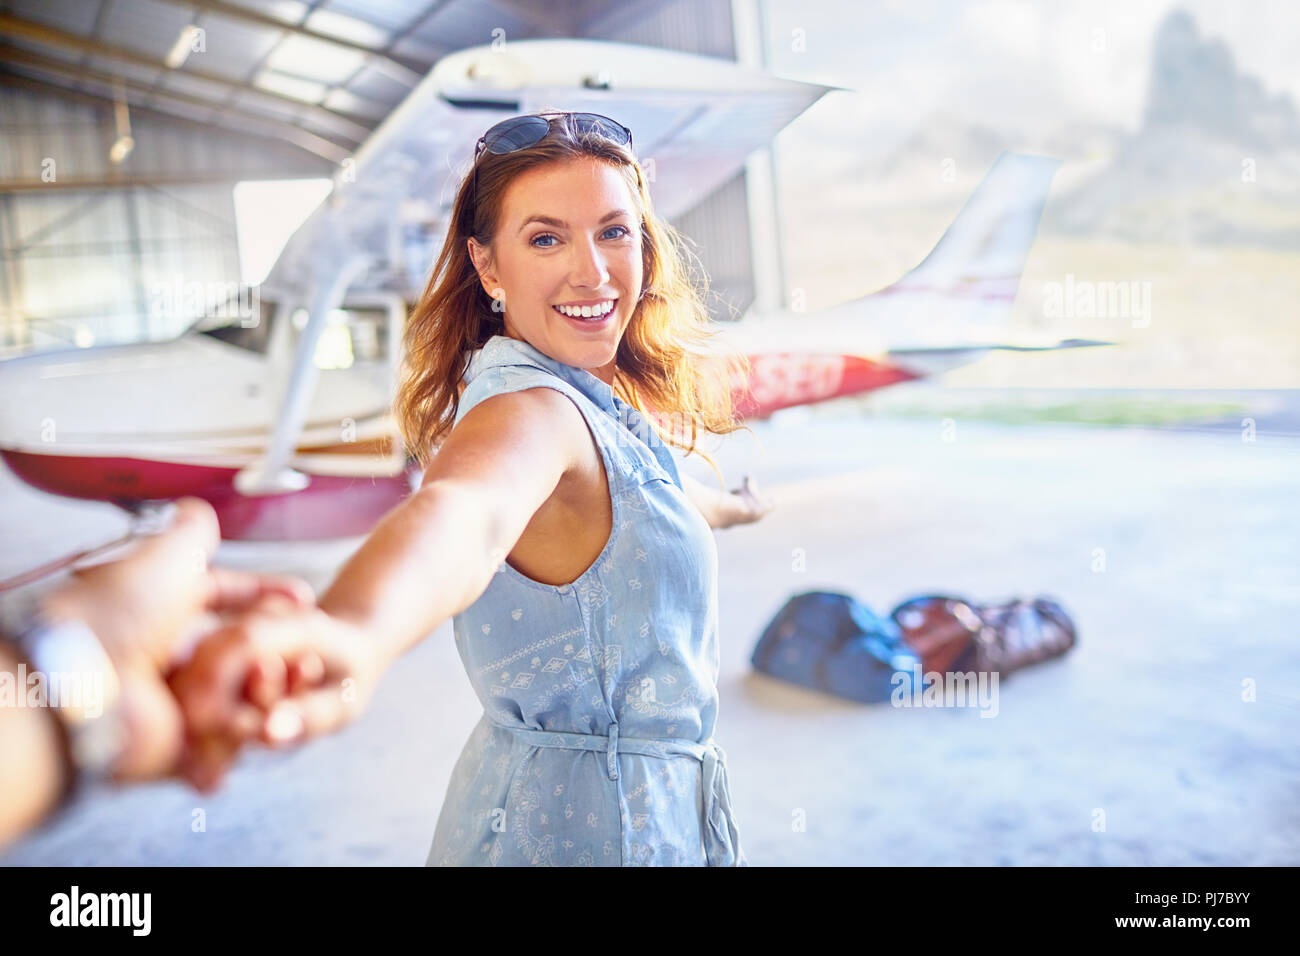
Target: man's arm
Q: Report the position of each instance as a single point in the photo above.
(32, 774)
(139, 608)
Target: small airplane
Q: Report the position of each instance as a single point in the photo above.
(278, 412)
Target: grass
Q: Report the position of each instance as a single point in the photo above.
(1115, 411)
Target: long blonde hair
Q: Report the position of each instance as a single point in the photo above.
(664, 368)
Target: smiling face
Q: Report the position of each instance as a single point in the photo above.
(567, 255)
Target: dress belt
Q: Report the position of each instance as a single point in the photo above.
(721, 836)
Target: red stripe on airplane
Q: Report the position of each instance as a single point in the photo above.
(784, 379)
(332, 506)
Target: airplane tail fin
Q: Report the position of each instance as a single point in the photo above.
(983, 252)
(959, 300)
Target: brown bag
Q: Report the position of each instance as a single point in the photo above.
(1025, 632)
(953, 634)
(942, 630)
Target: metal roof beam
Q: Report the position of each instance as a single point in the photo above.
(320, 145)
(346, 124)
(403, 71)
(152, 180)
(315, 166)
(435, 6)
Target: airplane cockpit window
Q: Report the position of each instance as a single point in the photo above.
(237, 327)
(353, 335)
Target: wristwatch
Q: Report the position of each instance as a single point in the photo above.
(79, 683)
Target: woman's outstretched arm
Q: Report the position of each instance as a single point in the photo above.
(434, 555)
(429, 558)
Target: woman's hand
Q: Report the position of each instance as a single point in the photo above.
(746, 504)
(280, 675)
(722, 509)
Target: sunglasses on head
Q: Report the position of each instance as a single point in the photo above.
(520, 132)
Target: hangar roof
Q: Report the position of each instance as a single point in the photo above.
(320, 74)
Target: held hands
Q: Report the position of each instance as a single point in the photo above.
(279, 675)
(274, 670)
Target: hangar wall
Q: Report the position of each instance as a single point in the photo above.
(87, 261)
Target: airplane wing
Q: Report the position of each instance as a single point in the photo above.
(923, 361)
(1061, 344)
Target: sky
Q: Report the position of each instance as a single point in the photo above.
(1065, 78)
(1004, 64)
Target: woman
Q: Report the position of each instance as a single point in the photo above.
(552, 525)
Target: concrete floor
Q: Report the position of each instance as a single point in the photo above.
(1142, 726)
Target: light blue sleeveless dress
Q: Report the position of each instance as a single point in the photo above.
(600, 697)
